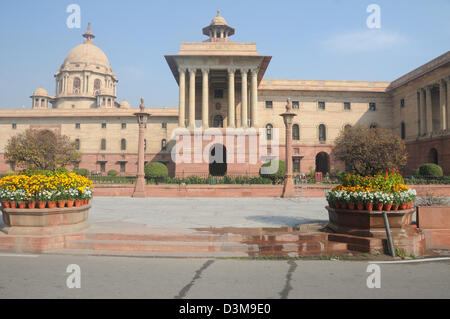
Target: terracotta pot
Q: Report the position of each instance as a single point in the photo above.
(31, 205)
(359, 206)
(387, 207)
(378, 207)
(336, 205)
(5, 204)
(343, 205)
(12, 204)
(51, 204)
(369, 206)
(351, 205)
(61, 203)
(78, 203)
(403, 206)
(394, 207)
(41, 205)
(70, 202)
(410, 204)
(22, 205)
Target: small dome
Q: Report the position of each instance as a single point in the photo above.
(124, 104)
(218, 20)
(40, 92)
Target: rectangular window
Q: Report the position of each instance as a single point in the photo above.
(347, 106)
(103, 144)
(402, 102)
(295, 105)
(123, 167)
(164, 125)
(77, 126)
(124, 126)
(102, 167)
(12, 166)
(372, 106)
(77, 144)
(103, 125)
(296, 165)
(218, 94)
(269, 104)
(321, 105)
(14, 126)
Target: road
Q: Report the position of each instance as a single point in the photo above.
(45, 276)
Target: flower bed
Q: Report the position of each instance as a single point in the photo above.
(45, 191)
(381, 192)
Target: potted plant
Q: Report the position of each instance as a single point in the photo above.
(388, 199)
(378, 201)
(4, 198)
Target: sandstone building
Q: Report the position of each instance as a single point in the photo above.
(222, 85)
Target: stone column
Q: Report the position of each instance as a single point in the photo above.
(244, 98)
(422, 112)
(192, 97)
(231, 99)
(142, 116)
(442, 105)
(448, 103)
(205, 100)
(429, 110)
(254, 95)
(288, 116)
(182, 106)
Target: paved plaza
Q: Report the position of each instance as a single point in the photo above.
(127, 212)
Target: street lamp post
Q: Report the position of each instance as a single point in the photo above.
(288, 188)
(142, 117)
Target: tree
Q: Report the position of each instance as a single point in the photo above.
(41, 149)
(368, 151)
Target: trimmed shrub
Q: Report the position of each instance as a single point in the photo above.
(276, 177)
(430, 169)
(156, 171)
(81, 171)
(45, 172)
(112, 172)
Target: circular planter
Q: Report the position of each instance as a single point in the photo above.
(369, 223)
(44, 221)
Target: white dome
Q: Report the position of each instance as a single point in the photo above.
(40, 92)
(124, 104)
(87, 53)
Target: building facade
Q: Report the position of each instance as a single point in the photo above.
(222, 86)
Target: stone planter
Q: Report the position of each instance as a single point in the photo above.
(434, 222)
(44, 221)
(369, 223)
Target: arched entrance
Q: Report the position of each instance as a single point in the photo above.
(218, 160)
(322, 163)
(433, 156)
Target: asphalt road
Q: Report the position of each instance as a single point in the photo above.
(45, 276)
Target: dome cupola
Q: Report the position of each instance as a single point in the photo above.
(218, 30)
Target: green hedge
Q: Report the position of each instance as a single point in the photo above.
(278, 176)
(430, 170)
(81, 171)
(112, 172)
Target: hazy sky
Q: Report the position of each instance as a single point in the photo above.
(323, 40)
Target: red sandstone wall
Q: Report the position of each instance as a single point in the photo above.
(418, 153)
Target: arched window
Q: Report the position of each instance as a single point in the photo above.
(97, 84)
(433, 156)
(373, 125)
(322, 133)
(269, 129)
(403, 130)
(295, 132)
(123, 144)
(218, 121)
(36, 102)
(76, 85)
(163, 145)
(103, 144)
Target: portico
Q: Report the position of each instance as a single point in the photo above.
(218, 80)
(433, 107)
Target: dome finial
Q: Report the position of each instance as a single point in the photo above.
(89, 37)
(218, 13)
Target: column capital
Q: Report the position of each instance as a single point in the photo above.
(181, 69)
(192, 70)
(243, 70)
(254, 70)
(231, 71)
(205, 70)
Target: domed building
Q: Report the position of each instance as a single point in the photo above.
(40, 99)
(85, 79)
